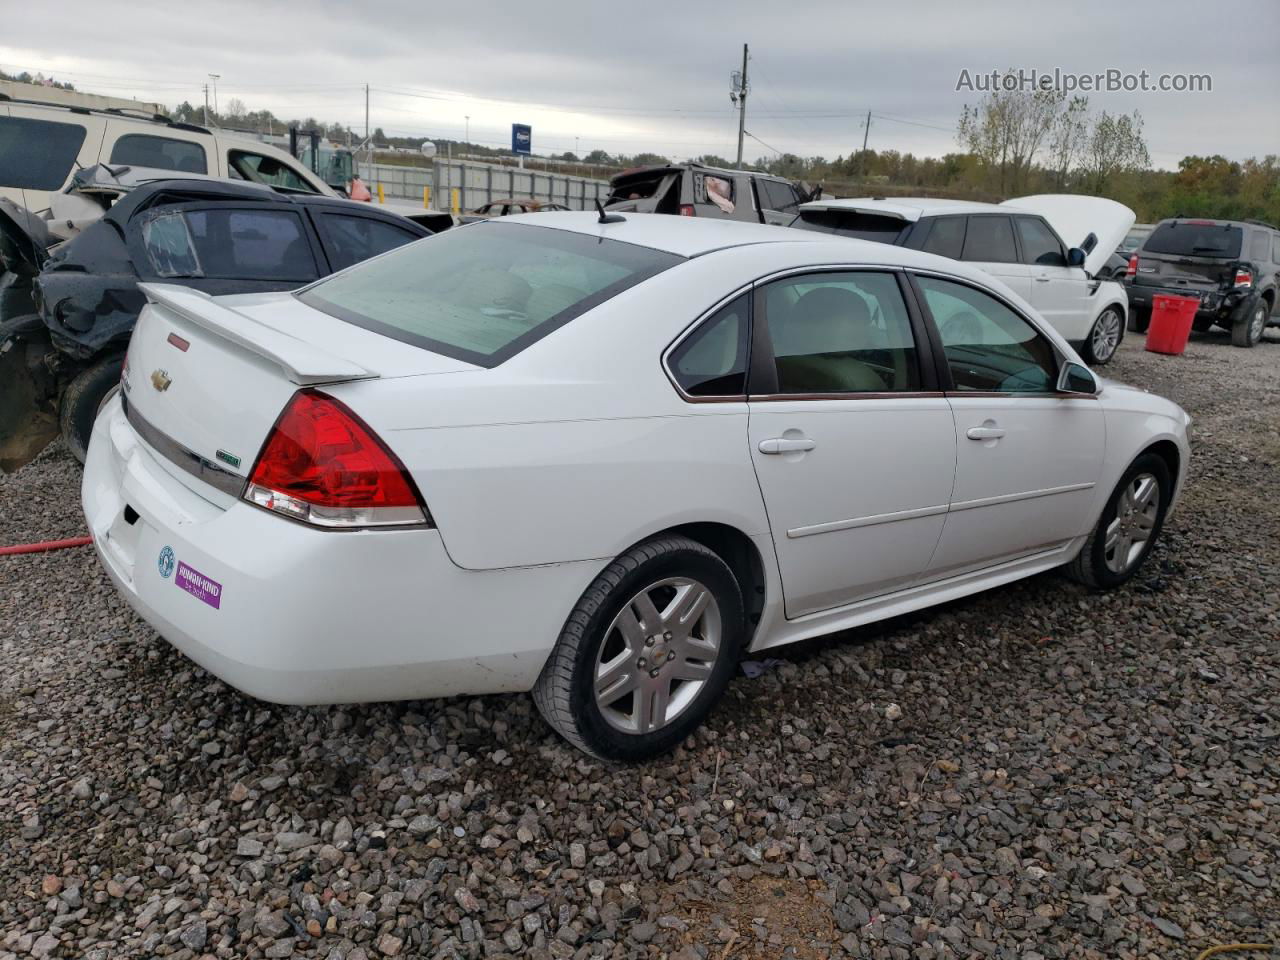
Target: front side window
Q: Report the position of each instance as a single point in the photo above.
(712, 361)
(841, 333)
(485, 292)
(162, 153)
(348, 240)
(946, 237)
(777, 196)
(37, 154)
(1040, 245)
(988, 347)
(230, 244)
(268, 170)
(989, 240)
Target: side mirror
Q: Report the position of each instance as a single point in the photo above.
(1077, 380)
(1075, 257)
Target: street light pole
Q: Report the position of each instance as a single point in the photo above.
(214, 77)
(466, 137)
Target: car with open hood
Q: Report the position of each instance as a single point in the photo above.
(67, 309)
(1051, 249)
(601, 458)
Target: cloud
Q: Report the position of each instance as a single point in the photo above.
(655, 75)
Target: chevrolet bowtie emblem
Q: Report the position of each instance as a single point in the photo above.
(160, 380)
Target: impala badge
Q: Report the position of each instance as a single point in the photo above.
(160, 380)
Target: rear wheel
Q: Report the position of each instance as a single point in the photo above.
(82, 400)
(646, 653)
(1128, 527)
(1139, 319)
(1247, 330)
(1105, 337)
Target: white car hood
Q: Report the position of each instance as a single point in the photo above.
(1074, 217)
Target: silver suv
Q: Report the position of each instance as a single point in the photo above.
(695, 190)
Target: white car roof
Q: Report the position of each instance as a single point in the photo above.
(683, 236)
(904, 208)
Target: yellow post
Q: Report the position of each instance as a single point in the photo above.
(382, 198)
(454, 204)
(426, 197)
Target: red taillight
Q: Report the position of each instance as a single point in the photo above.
(1132, 269)
(686, 210)
(1243, 278)
(323, 465)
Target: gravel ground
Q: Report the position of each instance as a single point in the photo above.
(1036, 772)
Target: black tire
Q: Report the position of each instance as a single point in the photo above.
(82, 400)
(564, 692)
(1088, 352)
(1090, 565)
(1139, 319)
(1249, 326)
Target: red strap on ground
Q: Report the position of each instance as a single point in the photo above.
(45, 546)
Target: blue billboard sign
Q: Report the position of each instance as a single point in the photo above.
(521, 138)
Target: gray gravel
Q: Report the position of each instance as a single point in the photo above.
(1036, 773)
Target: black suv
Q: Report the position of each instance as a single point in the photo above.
(1232, 266)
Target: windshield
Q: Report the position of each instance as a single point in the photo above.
(1188, 238)
(484, 293)
(852, 223)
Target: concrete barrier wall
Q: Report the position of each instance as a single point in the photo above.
(479, 183)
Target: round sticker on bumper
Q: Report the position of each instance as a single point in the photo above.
(165, 563)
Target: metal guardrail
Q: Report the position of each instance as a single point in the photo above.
(464, 185)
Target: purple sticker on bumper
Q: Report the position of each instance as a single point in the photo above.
(198, 585)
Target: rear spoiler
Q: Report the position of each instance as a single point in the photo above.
(303, 363)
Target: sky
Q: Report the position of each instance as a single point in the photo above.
(655, 76)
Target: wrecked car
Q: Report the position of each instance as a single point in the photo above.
(67, 310)
(697, 190)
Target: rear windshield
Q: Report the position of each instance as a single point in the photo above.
(640, 186)
(37, 154)
(1187, 239)
(851, 223)
(487, 291)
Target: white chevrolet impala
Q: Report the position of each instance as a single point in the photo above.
(601, 459)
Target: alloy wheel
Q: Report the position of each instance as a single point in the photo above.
(657, 655)
(1137, 510)
(1258, 323)
(1106, 336)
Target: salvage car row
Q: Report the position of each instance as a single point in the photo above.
(597, 457)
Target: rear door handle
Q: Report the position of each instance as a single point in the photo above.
(786, 445)
(985, 432)
(1042, 279)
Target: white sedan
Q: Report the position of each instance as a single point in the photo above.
(601, 459)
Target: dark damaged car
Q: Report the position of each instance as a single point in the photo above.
(66, 314)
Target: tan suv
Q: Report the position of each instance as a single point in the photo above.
(43, 144)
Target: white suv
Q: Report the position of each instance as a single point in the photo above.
(43, 144)
(1019, 241)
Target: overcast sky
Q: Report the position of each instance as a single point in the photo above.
(655, 75)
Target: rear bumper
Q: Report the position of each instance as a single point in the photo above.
(295, 615)
(1213, 303)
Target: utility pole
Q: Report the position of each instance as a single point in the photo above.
(866, 131)
(466, 137)
(738, 94)
(206, 104)
(368, 145)
(215, 77)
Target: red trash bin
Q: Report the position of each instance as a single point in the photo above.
(1171, 319)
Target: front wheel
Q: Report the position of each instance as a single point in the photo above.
(1128, 527)
(1104, 339)
(646, 652)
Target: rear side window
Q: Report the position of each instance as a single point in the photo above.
(348, 240)
(1040, 245)
(840, 333)
(851, 223)
(484, 293)
(230, 244)
(1275, 249)
(712, 361)
(1258, 250)
(989, 240)
(1188, 238)
(163, 153)
(264, 169)
(946, 237)
(37, 154)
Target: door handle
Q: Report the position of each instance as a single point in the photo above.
(988, 431)
(786, 445)
(1042, 279)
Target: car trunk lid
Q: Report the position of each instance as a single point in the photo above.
(206, 378)
(1074, 217)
